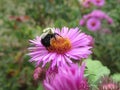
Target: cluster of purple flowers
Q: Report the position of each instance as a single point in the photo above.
(94, 19)
(88, 3)
(56, 65)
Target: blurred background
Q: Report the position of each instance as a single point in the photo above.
(22, 20)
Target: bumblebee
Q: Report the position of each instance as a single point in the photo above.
(47, 35)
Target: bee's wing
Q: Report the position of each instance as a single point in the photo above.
(52, 30)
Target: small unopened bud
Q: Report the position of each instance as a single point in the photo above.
(82, 22)
(91, 40)
(106, 31)
(110, 21)
(39, 74)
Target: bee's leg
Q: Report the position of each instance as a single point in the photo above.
(58, 34)
(55, 36)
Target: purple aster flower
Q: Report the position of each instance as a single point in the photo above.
(65, 45)
(68, 78)
(98, 3)
(93, 24)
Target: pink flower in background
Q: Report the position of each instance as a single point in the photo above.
(87, 3)
(98, 14)
(87, 16)
(98, 3)
(93, 20)
(68, 44)
(101, 15)
(93, 24)
(109, 19)
(68, 78)
(82, 22)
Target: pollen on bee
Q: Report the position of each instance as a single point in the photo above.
(59, 45)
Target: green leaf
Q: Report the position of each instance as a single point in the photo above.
(95, 70)
(116, 77)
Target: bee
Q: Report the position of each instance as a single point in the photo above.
(47, 35)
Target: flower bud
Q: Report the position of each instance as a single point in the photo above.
(108, 84)
(39, 74)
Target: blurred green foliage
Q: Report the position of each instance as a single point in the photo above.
(95, 70)
(16, 71)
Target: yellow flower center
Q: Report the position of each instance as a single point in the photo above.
(59, 45)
